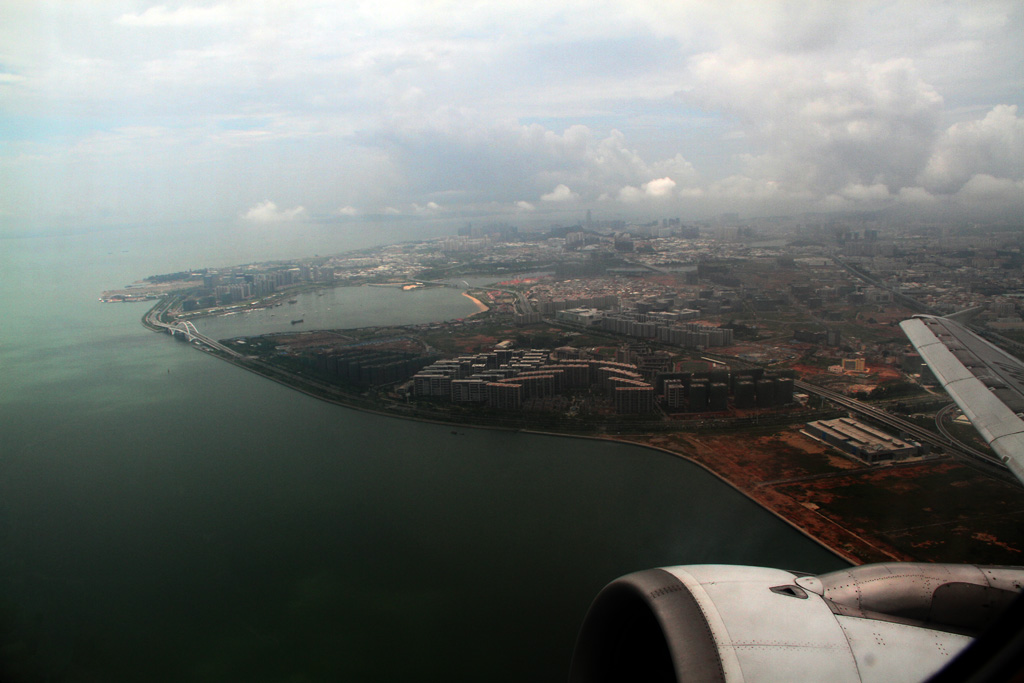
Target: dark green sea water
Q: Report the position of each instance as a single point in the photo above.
(165, 516)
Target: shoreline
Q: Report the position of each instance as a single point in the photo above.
(481, 307)
(340, 401)
(717, 475)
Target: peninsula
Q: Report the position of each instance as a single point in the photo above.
(772, 361)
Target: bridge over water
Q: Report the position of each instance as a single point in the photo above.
(185, 329)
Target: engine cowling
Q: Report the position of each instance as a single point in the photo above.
(883, 622)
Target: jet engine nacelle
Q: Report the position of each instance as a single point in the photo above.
(881, 622)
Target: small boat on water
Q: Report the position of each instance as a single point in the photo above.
(296, 322)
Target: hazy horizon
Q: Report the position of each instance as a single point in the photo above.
(266, 113)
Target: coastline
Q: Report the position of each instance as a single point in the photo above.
(481, 307)
(731, 484)
(860, 514)
(344, 401)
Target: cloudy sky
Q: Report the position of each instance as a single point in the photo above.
(126, 112)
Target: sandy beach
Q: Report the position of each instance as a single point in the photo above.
(481, 307)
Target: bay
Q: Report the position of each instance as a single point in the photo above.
(344, 308)
(165, 516)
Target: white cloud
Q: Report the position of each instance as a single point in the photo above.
(528, 159)
(744, 105)
(561, 193)
(630, 194)
(658, 188)
(985, 196)
(678, 169)
(183, 16)
(823, 127)
(834, 202)
(746, 189)
(856, 196)
(429, 208)
(662, 187)
(985, 188)
(267, 212)
(993, 146)
(858, 192)
(916, 196)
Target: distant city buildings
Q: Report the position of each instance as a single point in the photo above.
(811, 295)
(245, 283)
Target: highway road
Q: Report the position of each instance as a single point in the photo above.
(944, 441)
(152, 321)
(940, 423)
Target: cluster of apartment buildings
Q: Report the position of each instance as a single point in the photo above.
(367, 366)
(700, 392)
(246, 285)
(232, 287)
(504, 378)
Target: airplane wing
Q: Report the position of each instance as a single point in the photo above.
(883, 622)
(985, 381)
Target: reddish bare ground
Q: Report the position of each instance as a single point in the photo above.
(935, 510)
(884, 373)
(805, 370)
